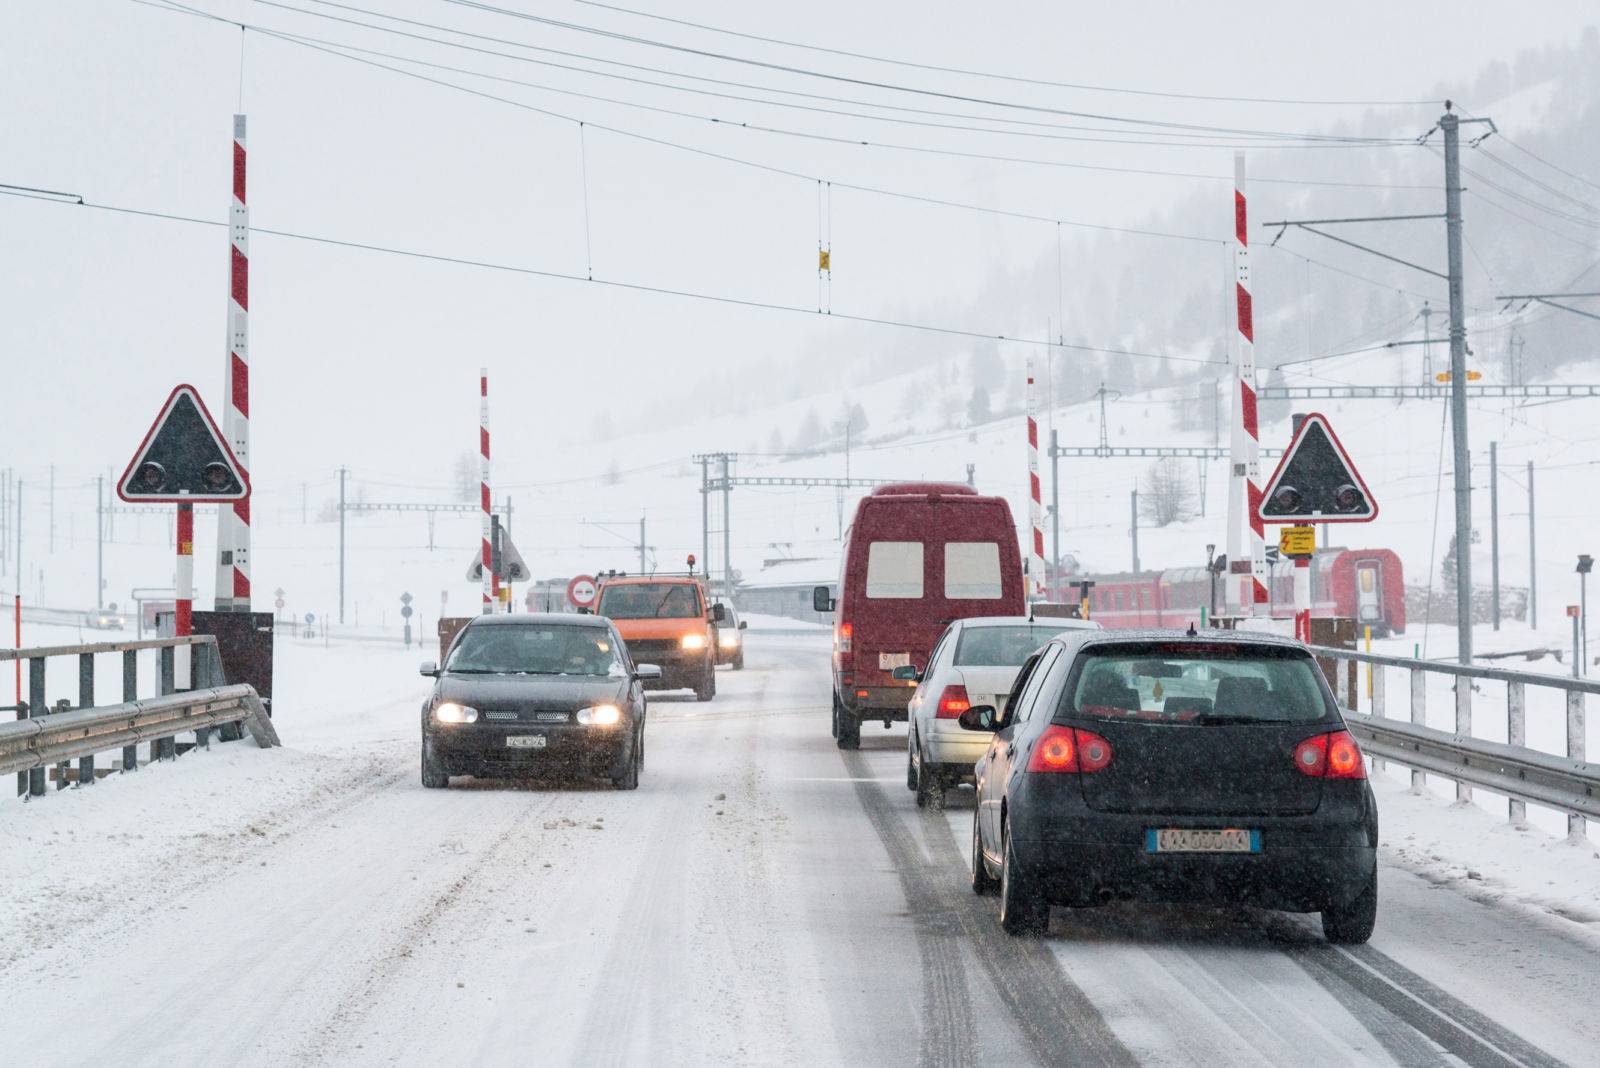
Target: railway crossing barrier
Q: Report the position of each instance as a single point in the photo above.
(44, 736)
(1475, 751)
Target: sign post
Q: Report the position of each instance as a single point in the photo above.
(184, 460)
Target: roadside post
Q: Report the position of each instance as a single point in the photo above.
(405, 614)
(1573, 613)
(1585, 565)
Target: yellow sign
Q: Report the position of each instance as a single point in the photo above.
(1297, 541)
(824, 259)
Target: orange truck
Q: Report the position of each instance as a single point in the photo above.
(665, 620)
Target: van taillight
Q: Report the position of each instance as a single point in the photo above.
(1070, 749)
(953, 702)
(1330, 756)
(841, 640)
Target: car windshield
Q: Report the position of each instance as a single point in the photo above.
(1006, 646)
(1198, 683)
(535, 649)
(649, 600)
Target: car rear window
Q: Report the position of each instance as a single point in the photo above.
(1196, 684)
(1000, 646)
(972, 571)
(894, 569)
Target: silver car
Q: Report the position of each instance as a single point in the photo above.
(974, 663)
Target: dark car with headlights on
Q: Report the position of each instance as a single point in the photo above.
(530, 695)
(1165, 766)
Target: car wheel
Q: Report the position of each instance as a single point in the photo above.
(629, 779)
(708, 686)
(849, 734)
(434, 776)
(738, 659)
(983, 884)
(911, 762)
(1351, 925)
(930, 786)
(833, 724)
(1023, 910)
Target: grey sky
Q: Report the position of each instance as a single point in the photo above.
(371, 359)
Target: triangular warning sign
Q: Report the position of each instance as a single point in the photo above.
(512, 567)
(1315, 481)
(183, 458)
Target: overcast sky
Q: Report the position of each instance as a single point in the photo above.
(370, 359)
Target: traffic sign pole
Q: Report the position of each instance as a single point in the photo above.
(1302, 598)
(183, 606)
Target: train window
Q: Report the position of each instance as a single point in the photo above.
(1118, 596)
(1366, 575)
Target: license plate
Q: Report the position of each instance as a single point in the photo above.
(1185, 840)
(525, 741)
(890, 661)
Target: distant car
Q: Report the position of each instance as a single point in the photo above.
(916, 556)
(974, 663)
(1169, 767)
(730, 636)
(104, 619)
(524, 695)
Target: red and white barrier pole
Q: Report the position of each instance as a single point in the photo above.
(1036, 576)
(233, 520)
(183, 606)
(1247, 585)
(490, 586)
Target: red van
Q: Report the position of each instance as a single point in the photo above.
(916, 556)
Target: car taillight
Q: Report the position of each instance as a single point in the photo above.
(1330, 756)
(953, 702)
(1070, 749)
(841, 640)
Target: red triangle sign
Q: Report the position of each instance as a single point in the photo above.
(184, 458)
(1315, 482)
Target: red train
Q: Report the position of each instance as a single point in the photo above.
(1366, 585)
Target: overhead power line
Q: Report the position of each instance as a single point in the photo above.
(638, 287)
(1018, 79)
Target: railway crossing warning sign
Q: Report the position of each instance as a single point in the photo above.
(512, 567)
(184, 458)
(1315, 481)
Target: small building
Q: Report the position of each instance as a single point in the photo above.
(784, 587)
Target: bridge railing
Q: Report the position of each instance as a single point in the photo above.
(45, 735)
(1468, 743)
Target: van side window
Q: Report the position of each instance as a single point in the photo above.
(972, 570)
(894, 569)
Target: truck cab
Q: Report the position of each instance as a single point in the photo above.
(666, 620)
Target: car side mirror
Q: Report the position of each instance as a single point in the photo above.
(646, 671)
(821, 599)
(429, 669)
(907, 673)
(719, 614)
(980, 718)
(743, 625)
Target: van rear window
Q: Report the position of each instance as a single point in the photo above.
(972, 571)
(894, 569)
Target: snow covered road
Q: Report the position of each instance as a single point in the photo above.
(762, 898)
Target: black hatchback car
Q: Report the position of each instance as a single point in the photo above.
(527, 695)
(1165, 766)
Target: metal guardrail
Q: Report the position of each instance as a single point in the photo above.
(46, 734)
(1569, 782)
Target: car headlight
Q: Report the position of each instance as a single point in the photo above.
(728, 639)
(451, 712)
(600, 715)
(693, 641)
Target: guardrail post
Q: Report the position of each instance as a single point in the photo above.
(1576, 748)
(1463, 727)
(201, 678)
(1375, 684)
(86, 700)
(36, 707)
(166, 748)
(1419, 716)
(130, 692)
(1517, 734)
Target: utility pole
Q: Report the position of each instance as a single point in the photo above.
(705, 515)
(641, 544)
(1055, 508)
(1134, 530)
(16, 506)
(1494, 532)
(342, 471)
(1533, 568)
(727, 529)
(1451, 125)
(1427, 346)
(99, 543)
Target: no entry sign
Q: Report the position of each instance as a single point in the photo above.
(580, 591)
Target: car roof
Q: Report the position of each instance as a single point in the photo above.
(525, 619)
(1063, 622)
(633, 580)
(1209, 636)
